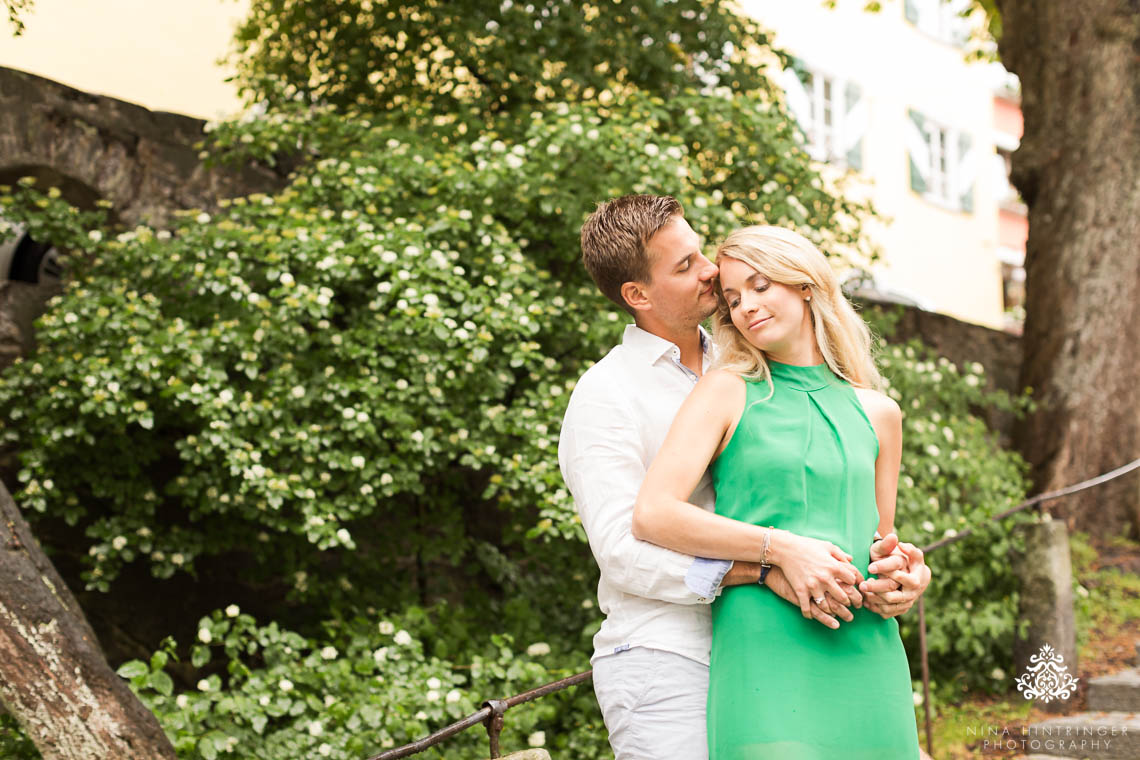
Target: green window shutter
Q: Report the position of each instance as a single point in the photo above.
(793, 80)
(918, 152)
(967, 171)
(855, 123)
(910, 10)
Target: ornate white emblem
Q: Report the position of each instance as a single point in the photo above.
(1047, 678)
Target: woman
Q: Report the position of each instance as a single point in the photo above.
(796, 439)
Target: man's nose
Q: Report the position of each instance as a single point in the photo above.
(710, 271)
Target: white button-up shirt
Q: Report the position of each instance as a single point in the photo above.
(617, 419)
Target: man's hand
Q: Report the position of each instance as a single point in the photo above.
(749, 572)
(902, 577)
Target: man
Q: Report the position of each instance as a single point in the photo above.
(651, 654)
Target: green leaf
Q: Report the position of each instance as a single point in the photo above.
(161, 682)
(133, 669)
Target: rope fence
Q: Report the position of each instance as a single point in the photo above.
(493, 710)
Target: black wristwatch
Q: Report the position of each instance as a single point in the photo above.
(763, 573)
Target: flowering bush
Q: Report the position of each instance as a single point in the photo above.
(362, 687)
(956, 475)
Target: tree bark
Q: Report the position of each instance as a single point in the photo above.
(53, 677)
(1078, 170)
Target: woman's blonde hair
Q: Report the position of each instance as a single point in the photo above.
(789, 258)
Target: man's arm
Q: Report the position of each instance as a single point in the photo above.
(602, 458)
(749, 572)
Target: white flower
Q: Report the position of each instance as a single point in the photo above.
(401, 384)
(298, 391)
(433, 696)
(182, 700)
(205, 636)
(513, 161)
(972, 381)
(348, 412)
(263, 700)
(203, 685)
(287, 280)
(113, 387)
(587, 604)
(226, 396)
(538, 649)
(358, 461)
(402, 638)
(95, 236)
(997, 674)
(453, 696)
(324, 750)
(285, 684)
(421, 715)
(917, 699)
(388, 257)
(385, 479)
(202, 218)
(315, 728)
(417, 436)
(343, 536)
(386, 628)
(118, 542)
(434, 683)
(933, 450)
(380, 655)
(328, 653)
(537, 739)
(651, 150)
(928, 526)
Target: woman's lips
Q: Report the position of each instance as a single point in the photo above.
(757, 323)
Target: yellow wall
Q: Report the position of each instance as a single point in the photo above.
(946, 259)
(158, 53)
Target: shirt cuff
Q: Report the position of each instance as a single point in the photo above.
(704, 576)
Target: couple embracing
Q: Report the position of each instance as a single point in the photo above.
(734, 489)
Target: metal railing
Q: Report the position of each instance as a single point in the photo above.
(491, 715)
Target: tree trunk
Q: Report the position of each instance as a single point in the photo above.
(1078, 169)
(53, 676)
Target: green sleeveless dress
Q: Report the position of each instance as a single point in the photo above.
(781, 686)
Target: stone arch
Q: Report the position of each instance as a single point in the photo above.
(93, 147)
(144, 162)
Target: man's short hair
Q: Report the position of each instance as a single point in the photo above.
(614, 239)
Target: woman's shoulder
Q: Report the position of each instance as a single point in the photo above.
(880, 407)
(721, 379)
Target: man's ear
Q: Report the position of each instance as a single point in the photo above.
(635, 295)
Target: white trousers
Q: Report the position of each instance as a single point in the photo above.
(653, 703)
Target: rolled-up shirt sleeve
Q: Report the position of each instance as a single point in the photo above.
(603, 462)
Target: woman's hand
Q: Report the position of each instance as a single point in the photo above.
(815, 570)
(825, 613)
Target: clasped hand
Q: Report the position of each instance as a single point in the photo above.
(821, 579)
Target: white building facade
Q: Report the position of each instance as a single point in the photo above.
(891, 96)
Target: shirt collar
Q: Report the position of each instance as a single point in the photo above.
(649, 347)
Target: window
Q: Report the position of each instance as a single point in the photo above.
(942, 164)
(941, 19)
(830, 110)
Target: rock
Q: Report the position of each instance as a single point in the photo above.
(1118, 692)
(1046, 580)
